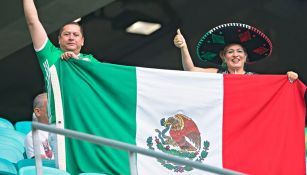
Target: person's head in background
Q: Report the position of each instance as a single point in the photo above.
(40, 108)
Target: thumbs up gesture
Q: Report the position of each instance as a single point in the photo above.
(179, 40)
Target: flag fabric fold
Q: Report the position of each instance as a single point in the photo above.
(248, 123)
(264, 116)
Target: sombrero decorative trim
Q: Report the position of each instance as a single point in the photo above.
(257, 44)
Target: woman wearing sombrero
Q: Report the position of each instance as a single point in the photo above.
(232, 45)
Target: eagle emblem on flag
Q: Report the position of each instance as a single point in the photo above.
(179, 137)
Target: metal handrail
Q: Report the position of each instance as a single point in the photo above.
(132, 149)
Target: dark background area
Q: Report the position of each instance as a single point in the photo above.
(284, 21)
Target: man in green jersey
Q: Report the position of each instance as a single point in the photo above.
(70, 39)
(49, 56)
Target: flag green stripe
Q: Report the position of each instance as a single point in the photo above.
(94, 105)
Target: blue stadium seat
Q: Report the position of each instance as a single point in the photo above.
(13, 134)
(30, 170)
(11, 154)
(31, 162)
(7, 167)
(4, 123)
(11, 142)
(23, 126)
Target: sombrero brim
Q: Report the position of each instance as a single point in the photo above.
(257, 44)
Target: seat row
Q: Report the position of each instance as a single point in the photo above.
(21, 126)
(13, 160)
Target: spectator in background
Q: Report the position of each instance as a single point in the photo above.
(40, 115)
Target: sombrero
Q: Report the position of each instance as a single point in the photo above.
(257, 44)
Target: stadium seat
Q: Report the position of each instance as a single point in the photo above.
(13, 134)
(11, 154)
(4, 123)
(7, 141)
(7, 167)
(23, 126)
(31, 162)
(30, 170)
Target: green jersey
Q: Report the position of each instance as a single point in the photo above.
(48, 58)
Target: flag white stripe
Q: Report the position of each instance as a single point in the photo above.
(164, 93)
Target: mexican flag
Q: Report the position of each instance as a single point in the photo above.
(253, 124)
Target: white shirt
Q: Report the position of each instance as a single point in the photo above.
(45, 148)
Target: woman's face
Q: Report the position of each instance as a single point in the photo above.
(234, 56)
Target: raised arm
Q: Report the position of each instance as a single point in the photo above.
(187, 62)
(37, 31)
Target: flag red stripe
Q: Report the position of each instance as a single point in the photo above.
(263, 124)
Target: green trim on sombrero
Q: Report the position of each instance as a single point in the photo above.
(257, 44)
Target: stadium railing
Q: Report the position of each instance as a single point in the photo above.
(132, 149)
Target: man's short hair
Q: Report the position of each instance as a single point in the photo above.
(38, 100)
(73, 23)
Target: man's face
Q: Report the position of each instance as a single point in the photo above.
(71, 39)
